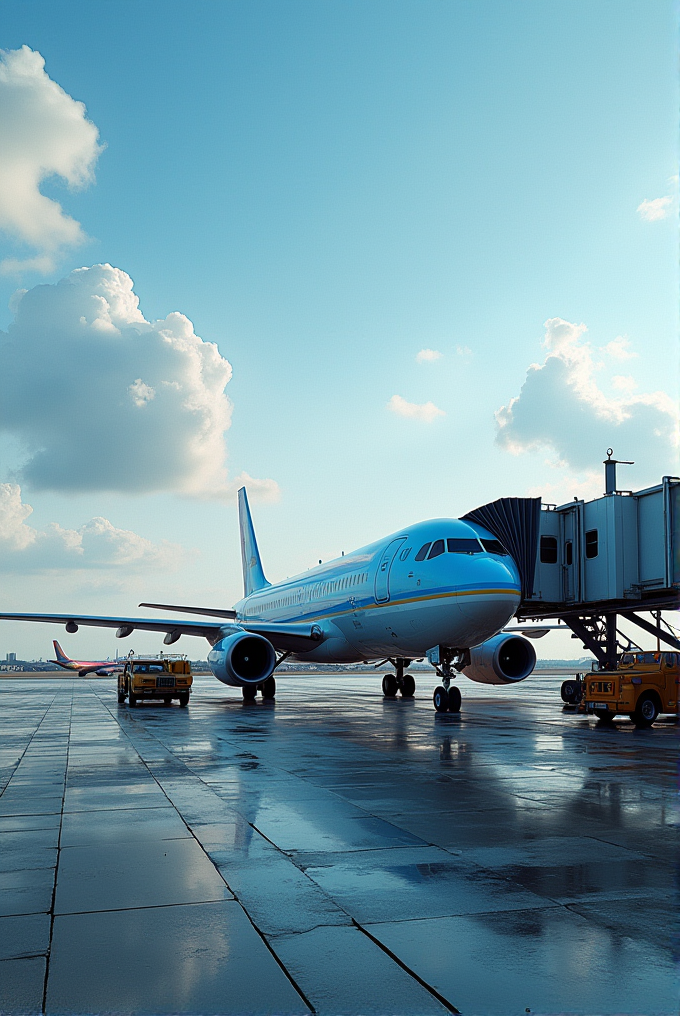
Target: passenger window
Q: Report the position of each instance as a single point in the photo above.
(568, 552)
(548, 550)
(591, 543)
(464, 546)
(437, 549)
(422, 553)
(494, 547)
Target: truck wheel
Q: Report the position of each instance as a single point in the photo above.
(167, 701)
(569, 691)
(647, 710)
(132, 700)
(605, 719)
(184, 699)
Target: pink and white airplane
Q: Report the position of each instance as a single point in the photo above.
(85, 667)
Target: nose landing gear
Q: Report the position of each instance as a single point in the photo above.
(446, 697)
(399, 681)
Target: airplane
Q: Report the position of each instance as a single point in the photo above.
(444, 589)
(85, 667)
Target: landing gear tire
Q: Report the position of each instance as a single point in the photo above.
(440, 699)
(455, 699)
(646, 711)
(389, 685)
(121, 697)
(269, 688)
(249, 692)
(184, 699)
(132, 700)
(408, 686)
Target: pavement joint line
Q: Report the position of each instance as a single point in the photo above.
(56, 869)
(236, 899)
(428, 987)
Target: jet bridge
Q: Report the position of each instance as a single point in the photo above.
(590, 562)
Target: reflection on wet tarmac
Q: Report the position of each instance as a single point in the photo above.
(335, 851)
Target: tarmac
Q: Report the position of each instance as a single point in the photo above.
(333, 852)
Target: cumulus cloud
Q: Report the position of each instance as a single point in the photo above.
(95, 544)
(562, 408)
(102, 399)
(651, 210)
(620, 348)
(428, 355)
(427, 412)
(44, 133)
(464, 352)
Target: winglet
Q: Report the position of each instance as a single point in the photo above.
(253, 575)
(59, 652)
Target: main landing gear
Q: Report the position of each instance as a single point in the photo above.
(446, 697)
(399, 681)
(267, 689)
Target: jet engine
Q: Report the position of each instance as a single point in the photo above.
(242, 659)
(504, 659)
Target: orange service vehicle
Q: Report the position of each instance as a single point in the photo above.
(643, 686)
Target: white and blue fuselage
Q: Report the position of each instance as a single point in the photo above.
(434, 583)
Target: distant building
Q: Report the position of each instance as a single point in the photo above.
(11, 658)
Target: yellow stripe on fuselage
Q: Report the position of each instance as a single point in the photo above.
(398, 603)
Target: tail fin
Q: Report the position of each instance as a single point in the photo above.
(59, 652)
(253, 576)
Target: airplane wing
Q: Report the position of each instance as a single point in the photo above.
(292, 636)
(535, 633)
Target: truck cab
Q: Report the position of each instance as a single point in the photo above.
(643, 686)
(155, 677)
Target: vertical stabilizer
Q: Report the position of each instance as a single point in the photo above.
(59, 652)
(253, 576)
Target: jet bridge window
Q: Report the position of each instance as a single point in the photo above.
(591, 543)
(422, 553)
(437, 549)
(464, 546)
(548, 550)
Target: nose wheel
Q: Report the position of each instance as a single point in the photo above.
(447, 700)
(446, 697)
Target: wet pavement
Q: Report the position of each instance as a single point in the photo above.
(333, 852)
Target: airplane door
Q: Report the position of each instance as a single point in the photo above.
(382, 576)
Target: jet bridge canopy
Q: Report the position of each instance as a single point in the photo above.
(589, 561)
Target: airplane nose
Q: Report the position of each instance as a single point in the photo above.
(494, 595)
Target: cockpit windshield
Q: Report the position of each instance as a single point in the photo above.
(463, 547)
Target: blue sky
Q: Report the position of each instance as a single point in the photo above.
(325, 190)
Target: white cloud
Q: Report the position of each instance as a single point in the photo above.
(624, 383)
(96, 544)
(427, 412)
(651, 210)
(428, 355)
(464, 352)
(102, 399)
(562, 408)
(620, 348)
(44, 133)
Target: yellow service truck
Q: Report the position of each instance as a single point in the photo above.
(643, 686)
(155, 677)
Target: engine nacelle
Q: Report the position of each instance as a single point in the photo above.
(504, 659)
(242, 659)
